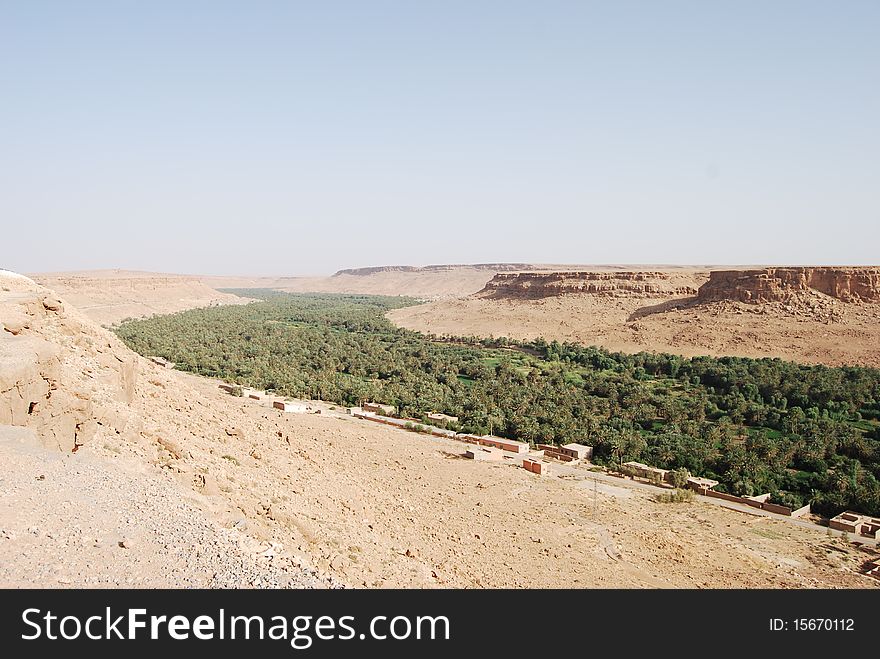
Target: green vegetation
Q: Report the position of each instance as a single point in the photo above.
(678, 477)
(675, 496)
(803, 433)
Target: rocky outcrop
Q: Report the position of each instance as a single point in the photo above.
(782, 284)
(536, 285)
(59, 374)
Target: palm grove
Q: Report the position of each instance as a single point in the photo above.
(803, 433)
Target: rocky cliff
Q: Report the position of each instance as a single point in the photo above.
(782, 284)
(59, 374)
(536, 285)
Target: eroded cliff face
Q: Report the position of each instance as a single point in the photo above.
(782, 284)
(59, 374)
(536, 285)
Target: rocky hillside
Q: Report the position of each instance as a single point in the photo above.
(44, 342)
(108, 296)
(782, 284)
(536, 285)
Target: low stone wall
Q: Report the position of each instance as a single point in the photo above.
(725, 496)
(759, 502)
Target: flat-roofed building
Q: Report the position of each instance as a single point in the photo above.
(484, 453)
(577, 451)
(700, 484)
(855, 523)
(847, 521)
(379, 408)
(442, 418)
(508, 445)
(288, 406)
(646, 471)
(536, 466)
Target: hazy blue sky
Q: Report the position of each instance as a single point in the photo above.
(302, 137)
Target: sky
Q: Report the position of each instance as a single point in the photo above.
(286, 138)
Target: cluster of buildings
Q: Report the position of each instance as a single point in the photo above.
(509, 445)
(705, 487)
(855, 523)
(573, 453)
(696, 483)
(859, 524)
(492, 448)
(277, 403)
(382, 408)
(483, 447)
(489, 447)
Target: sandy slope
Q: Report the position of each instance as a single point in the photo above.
(835, 333)
(365, 504)
(108, 296)
(380, 507)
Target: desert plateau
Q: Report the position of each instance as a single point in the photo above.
(813, 315)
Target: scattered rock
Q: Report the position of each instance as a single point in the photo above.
(15, 322)
(170, 446)
(52, 303)
(206, 484)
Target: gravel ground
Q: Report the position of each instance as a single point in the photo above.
(79, 521)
